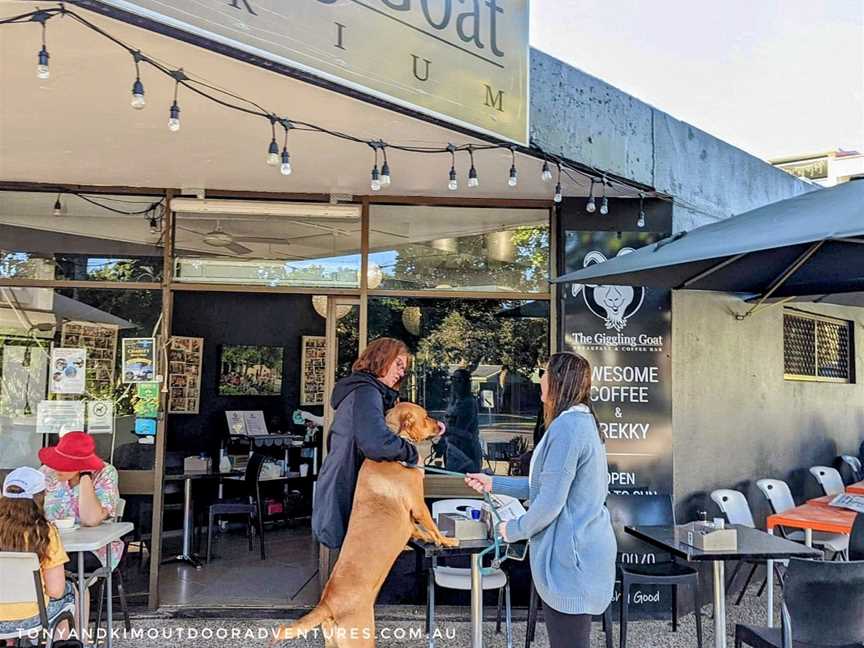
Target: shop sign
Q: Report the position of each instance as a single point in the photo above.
(810, 169)
(625, 333)
(462, 61)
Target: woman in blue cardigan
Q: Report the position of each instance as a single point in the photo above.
(572, 543)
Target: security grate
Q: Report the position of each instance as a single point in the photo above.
(817, 348)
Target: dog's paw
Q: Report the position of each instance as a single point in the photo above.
(278, 637)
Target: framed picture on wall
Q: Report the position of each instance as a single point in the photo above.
(184, 367)
(250, 371)
(313, 365)
(100, 341)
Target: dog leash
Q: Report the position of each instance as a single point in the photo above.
(499, 556)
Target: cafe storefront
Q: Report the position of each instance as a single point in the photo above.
(274, 198)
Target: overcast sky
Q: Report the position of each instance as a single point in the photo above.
(774, 77)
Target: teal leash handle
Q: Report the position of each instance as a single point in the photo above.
(496, 539)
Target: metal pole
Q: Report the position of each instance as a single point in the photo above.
(187, 518)
(719, 605)
(108, 586)
(476, 601)
(82, 611)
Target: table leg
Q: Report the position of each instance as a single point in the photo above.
(476, 601)
(770, 588)
(82, 624)
(719, 605)
(110, 612)
(808, 537)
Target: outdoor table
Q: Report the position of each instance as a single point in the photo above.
(856, 489)
(815, 515)
(753, 544)
(82, 539)
(466, 547)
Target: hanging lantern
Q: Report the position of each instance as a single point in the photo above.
(319, 303)
(500, 247)
(374, 276)
(411, 318)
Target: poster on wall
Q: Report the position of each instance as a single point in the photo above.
(625, 333)
(100, 341)
(60, 417)
(184, 374)
(68, 371)
(250, 371)
(100, 417)
(146, 400)
(139, 360)
(313, 366)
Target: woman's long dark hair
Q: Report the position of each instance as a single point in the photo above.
(569, 376)
(23, 526)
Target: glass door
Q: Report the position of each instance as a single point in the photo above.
(343, 347)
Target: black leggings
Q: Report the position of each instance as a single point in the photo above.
(567, 630)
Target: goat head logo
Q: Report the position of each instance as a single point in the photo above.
(615, 305)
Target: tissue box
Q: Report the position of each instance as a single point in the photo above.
(708, 538)
(456, 525)
(196, 465)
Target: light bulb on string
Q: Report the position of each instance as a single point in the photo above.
(473, 180)
(285, 165)
(375, 183)
(273, 159)
(546, 173)
(174, 112)
(640, 222)
(514, 174)
(453, 184)
(58, 207)
(42, 69)
(591, 206)
(559, 196)
(604, 205)
(154, 227)
(385, 168)
(138, 99)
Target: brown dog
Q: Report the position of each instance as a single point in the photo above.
(388, 510)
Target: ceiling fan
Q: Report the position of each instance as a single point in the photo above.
(219, 238)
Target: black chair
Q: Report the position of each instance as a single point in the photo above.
(649, 510)
(249, 505)
(823, 605)
(533, 607)
(856, 539)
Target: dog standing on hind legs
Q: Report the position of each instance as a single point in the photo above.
(388, 510)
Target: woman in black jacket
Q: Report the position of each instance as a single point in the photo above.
(359, 432)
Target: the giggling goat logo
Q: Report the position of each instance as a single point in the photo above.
(615, 305)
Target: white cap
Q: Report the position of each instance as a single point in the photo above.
(29, 480)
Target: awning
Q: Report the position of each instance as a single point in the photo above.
(810, 245)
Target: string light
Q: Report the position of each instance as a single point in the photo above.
(154, 227)
(514, 175)
(558, 197)
(640, 222)
(174, 112)
(42, 69)
(453, 185)
(473, 180)
(285, 165)
(591, 206)
(385, 168)
(138, 100)
(375, 184)
(273, 158)
(604, 206)
(58, 207)
(546, 174)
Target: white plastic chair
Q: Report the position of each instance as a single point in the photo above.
(22, 583)
(854, 464)
(779, 497)
(829, 479)
(459, 578)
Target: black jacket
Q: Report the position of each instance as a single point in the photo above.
(358, 432)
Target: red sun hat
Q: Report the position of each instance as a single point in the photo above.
(76, 451)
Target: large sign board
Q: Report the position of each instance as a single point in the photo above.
(625, 333)
(464, 61)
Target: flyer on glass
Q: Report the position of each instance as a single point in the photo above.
(139, 360)
(68, 371)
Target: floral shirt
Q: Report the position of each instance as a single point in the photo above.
(61, 501)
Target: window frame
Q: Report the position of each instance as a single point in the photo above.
(835, 321)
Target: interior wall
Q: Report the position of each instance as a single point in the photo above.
(736, 420)
(240, 319)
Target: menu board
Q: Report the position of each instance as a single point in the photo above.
(100, 341)
(313, 362)
(184, 374)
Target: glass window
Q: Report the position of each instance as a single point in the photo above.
(266, 243)
(441, 248)
(80, 236)
(476, 367)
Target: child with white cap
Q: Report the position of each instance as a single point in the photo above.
(24, 528)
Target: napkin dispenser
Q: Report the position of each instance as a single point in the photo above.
(708, 537)
(457, 525)
(196, 465)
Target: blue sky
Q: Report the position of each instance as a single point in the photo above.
(774, 77)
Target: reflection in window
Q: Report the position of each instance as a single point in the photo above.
(440, 248)
(476, 367)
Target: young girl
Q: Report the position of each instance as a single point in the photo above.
(24, 528)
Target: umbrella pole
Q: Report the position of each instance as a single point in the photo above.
(779, 281)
